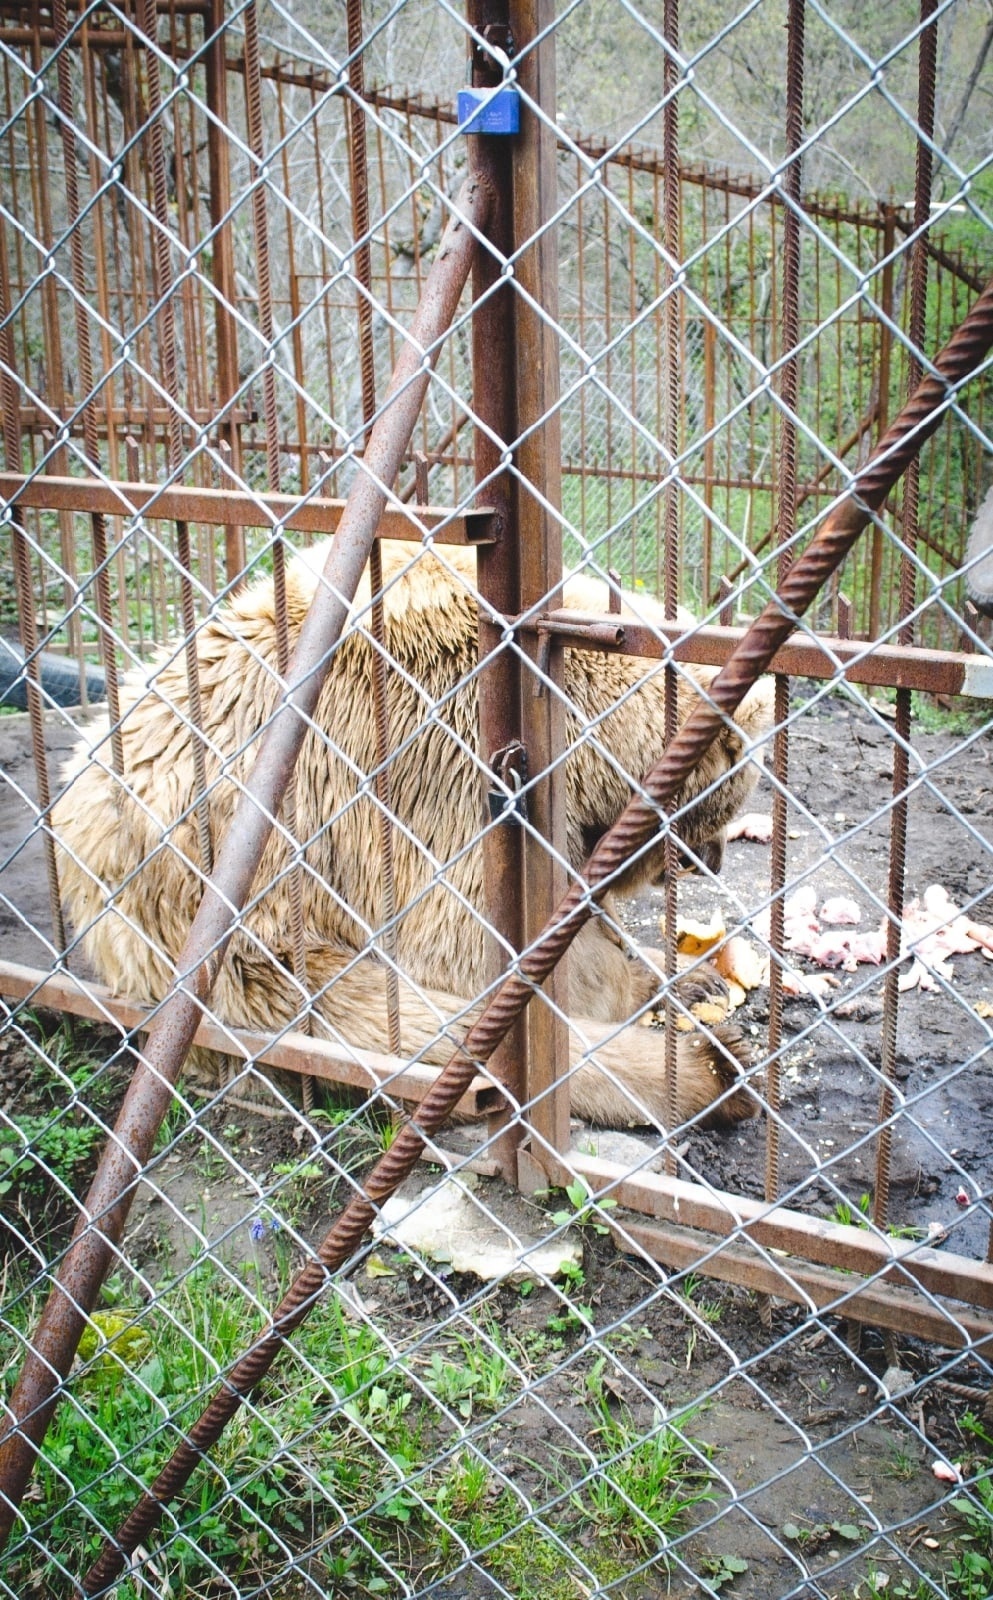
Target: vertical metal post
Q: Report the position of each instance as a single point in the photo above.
(165, 317)
(496, 357)
(85, 361)
(539, 461)
(672, 232)
(260, 224)
(359, 176)
(785, 527)
(927, 59)
(882, 406)
(10, 422)
(222, 269)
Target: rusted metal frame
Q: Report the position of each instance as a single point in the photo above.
(927, 61)
(184, 166)
(495, 356)
(325, 272)
(263, 278)
(802, 656)
(646, 158)
(358, 173)
(634, 331)
(656, 420)
(292, 1051)
(225, 507)
(882, 406)
(637, 158)
(639, 821)
(672, 241)
(804, 491)
(84, 357)
(164, 7)
(539, 532)
(785, 530)
(101, 282)
(150, 1093)
(296, 305)
(223, 272)
(743, 1220)
(35, 125)
(901, 1310)
(56, 452)
(24, 590)
(162, 278)
(603, 232)
(412, 490)
(100, 38)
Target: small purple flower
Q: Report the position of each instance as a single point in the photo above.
(257, 1229)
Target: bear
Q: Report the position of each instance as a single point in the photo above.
(130, 865)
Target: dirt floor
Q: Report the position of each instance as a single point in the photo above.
(804, 1442)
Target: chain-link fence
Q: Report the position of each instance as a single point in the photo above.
(495, 1086)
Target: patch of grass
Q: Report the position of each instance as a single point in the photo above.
(343, 1455)
(53, 1131)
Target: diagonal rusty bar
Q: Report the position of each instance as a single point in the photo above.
(637, 823)
(106, 1206)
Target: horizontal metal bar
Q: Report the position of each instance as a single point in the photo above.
(366, 1070)
(859, 1250)
(34, 419)
(880, 665)
(876, 1303)
(234, 507)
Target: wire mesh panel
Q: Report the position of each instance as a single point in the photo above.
(387, 507)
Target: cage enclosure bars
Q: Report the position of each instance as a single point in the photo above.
(498, 570)
(539, 475)
(785, 529)
(671, 519)
(639, 821)
(358, 171)
(150, 1093)
(926, 46)
(263, 267)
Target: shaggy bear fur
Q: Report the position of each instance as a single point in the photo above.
(130, 861)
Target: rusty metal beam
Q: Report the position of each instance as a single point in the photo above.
(878, 665)
(226, 507)
(105, 1210)
(496, 358)
(366, 1070)
(539, 532)
(877, 1303)
(831, 1244)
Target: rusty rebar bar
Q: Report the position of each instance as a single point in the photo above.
(24, 590)
(263, 281)
(358, 168)
(785, 529)
(637, 823)
(106, 1207)
(927, 57)
(162, 278)
(98, 525)
(672, 232)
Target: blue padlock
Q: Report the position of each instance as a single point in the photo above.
(482, 111)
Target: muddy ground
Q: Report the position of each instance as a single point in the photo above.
(803, 1438)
